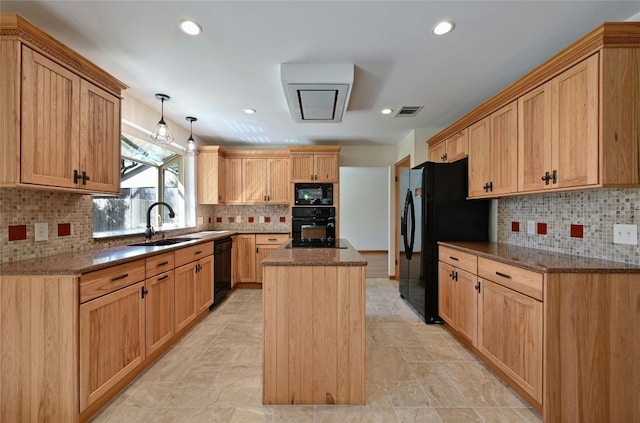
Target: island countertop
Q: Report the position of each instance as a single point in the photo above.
(284, 256)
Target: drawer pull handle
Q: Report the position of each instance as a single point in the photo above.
(198, 252)
(164, 263)
(117, 278)
(454, 258)
(273, 239)
(503, 275)
(161, 278)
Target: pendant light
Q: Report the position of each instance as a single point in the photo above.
(191, 149)
(161, 133)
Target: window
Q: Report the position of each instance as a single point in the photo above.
(149, 173)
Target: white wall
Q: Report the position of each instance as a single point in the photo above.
(364, 207)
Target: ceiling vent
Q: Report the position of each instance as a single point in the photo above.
(317, 92)
(408, 111)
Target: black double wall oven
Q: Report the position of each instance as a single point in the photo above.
(313, 219)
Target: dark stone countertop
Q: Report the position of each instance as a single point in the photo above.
(541, 260)
(284, 256)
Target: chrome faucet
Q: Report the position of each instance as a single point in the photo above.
(148, 233)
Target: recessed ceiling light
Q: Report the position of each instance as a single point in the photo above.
(190, 27)
(249, 111)
(386, 111)
(443, 28)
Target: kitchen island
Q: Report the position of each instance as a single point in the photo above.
(314, 326)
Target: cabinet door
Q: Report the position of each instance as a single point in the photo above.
(574, 125)
(504, 150)
(233, 183)
(112, 340)
(479, 157)
(437, 153)
(278, 185)
(457, 147)
(159, 306)
(185, 294)
(262, 252)
(204, 284)
(510, 335)
(447, 294)
(49, 122)
(467, 308)
(100, 136)
(534, 139)
(246, 263)
(254, 180)
(222, 180)
(208, 178)
(302, 169)
(326, 167)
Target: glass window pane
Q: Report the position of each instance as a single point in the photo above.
(173, 194)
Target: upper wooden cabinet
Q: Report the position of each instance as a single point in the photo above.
(314, 164)
(265, 180)
(233, 181)
(454, 148)
(493, 158)
(61, 115)
(577, 120)
(211, 177)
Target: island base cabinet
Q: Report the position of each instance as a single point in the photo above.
(314, 335)
(592, 348)
(112, 340)
(510, 335)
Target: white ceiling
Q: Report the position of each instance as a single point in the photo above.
(235, 62)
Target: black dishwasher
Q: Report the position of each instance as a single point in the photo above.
(221, 269)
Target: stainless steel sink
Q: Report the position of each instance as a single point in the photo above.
(161, 242)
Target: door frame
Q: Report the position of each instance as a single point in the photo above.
(400, 166)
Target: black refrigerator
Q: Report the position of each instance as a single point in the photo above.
(433, 200)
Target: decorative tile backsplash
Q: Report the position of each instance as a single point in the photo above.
(576, 222)
(70, 223)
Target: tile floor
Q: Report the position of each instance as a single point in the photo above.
(415, 373)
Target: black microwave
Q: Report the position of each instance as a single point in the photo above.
(313, 194)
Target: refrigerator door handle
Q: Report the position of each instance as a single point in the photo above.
(412, 211)
(404, 223)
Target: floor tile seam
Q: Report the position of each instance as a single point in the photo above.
(398, 417)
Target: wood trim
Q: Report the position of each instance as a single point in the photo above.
(18, 28)
(257, 154)
(607, 35)
(312, 149)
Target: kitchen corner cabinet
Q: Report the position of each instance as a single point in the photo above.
(493, 153)
(251, 249)
(265, 180)
(61, 129)
(452, 149)
(315, 164)
(211, 180)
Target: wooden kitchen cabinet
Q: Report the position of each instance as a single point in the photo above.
(251, 249)
(193, 283)
(233, 181)
(493, 153)
(159, 310)
(558, 131)
(314, 164)
(211, 180)
(112, 340)
(265, 180)
(68, 133)
(452, 149)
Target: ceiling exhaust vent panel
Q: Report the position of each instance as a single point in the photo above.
(407, 111)
(317, 92)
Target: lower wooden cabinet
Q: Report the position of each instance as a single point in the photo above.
(160, 310)
(250, 250)
(112, 340)
(194, 290)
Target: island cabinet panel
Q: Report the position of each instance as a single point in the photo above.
(39, 349)
(592, 348)
(314, 335)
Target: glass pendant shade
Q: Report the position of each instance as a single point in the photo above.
(192, 148)
(162, 134)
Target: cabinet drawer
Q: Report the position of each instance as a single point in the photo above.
(101, 282)
(195, 252)
(459, 259)
(273, 239)
(160, 263)
(521, 280)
